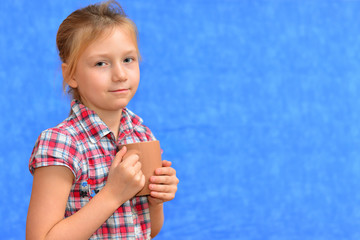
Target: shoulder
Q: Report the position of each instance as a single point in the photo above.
(62, 135)
(57, 138)
(57, 143)
(70, 131)
(56, 146)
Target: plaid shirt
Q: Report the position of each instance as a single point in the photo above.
(85, 145)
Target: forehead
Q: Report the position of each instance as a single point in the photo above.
(112, 39)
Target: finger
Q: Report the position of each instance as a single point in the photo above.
(164, 180)
(122, 151)
(163, 196)
(163, 188)
(130, 160)
(166, 163)
(141, 177)
(165, 171)
(143, 180)
(119, 156)
(137, 167)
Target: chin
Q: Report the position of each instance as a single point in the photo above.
(120, 106)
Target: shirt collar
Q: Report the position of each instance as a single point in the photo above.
(96, 129)
(128, 123)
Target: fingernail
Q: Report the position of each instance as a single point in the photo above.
(118, 149)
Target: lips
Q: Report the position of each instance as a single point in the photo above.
(120, 90)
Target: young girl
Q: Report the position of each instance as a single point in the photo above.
(83, 187)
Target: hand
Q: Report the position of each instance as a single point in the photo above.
(163, 185)
(125, 177)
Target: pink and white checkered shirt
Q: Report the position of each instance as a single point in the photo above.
(85, 145)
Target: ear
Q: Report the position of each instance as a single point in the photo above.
(69, 80)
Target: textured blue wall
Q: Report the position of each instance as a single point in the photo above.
(257, 103)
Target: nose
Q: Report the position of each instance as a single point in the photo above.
(119, 73)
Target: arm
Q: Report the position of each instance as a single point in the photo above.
(157, 218)
(51, 187)
(163, 188)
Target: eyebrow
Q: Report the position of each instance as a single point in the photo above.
(100, 54)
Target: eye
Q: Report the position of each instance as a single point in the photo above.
(100, 64)
(128, 60)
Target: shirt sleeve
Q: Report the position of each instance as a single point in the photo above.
(54, 148)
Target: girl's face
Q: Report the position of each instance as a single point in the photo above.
(107, 74)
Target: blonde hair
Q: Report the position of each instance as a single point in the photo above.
(85, 26)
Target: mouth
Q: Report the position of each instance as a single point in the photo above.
(120, 90)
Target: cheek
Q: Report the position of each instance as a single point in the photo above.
(91, 83)
(136, 82)
(134, 76)
(93, 78)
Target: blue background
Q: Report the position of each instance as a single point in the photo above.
(257, 103)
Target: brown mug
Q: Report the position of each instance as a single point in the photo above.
(150, 158)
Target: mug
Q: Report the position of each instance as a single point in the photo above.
(150, 158)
